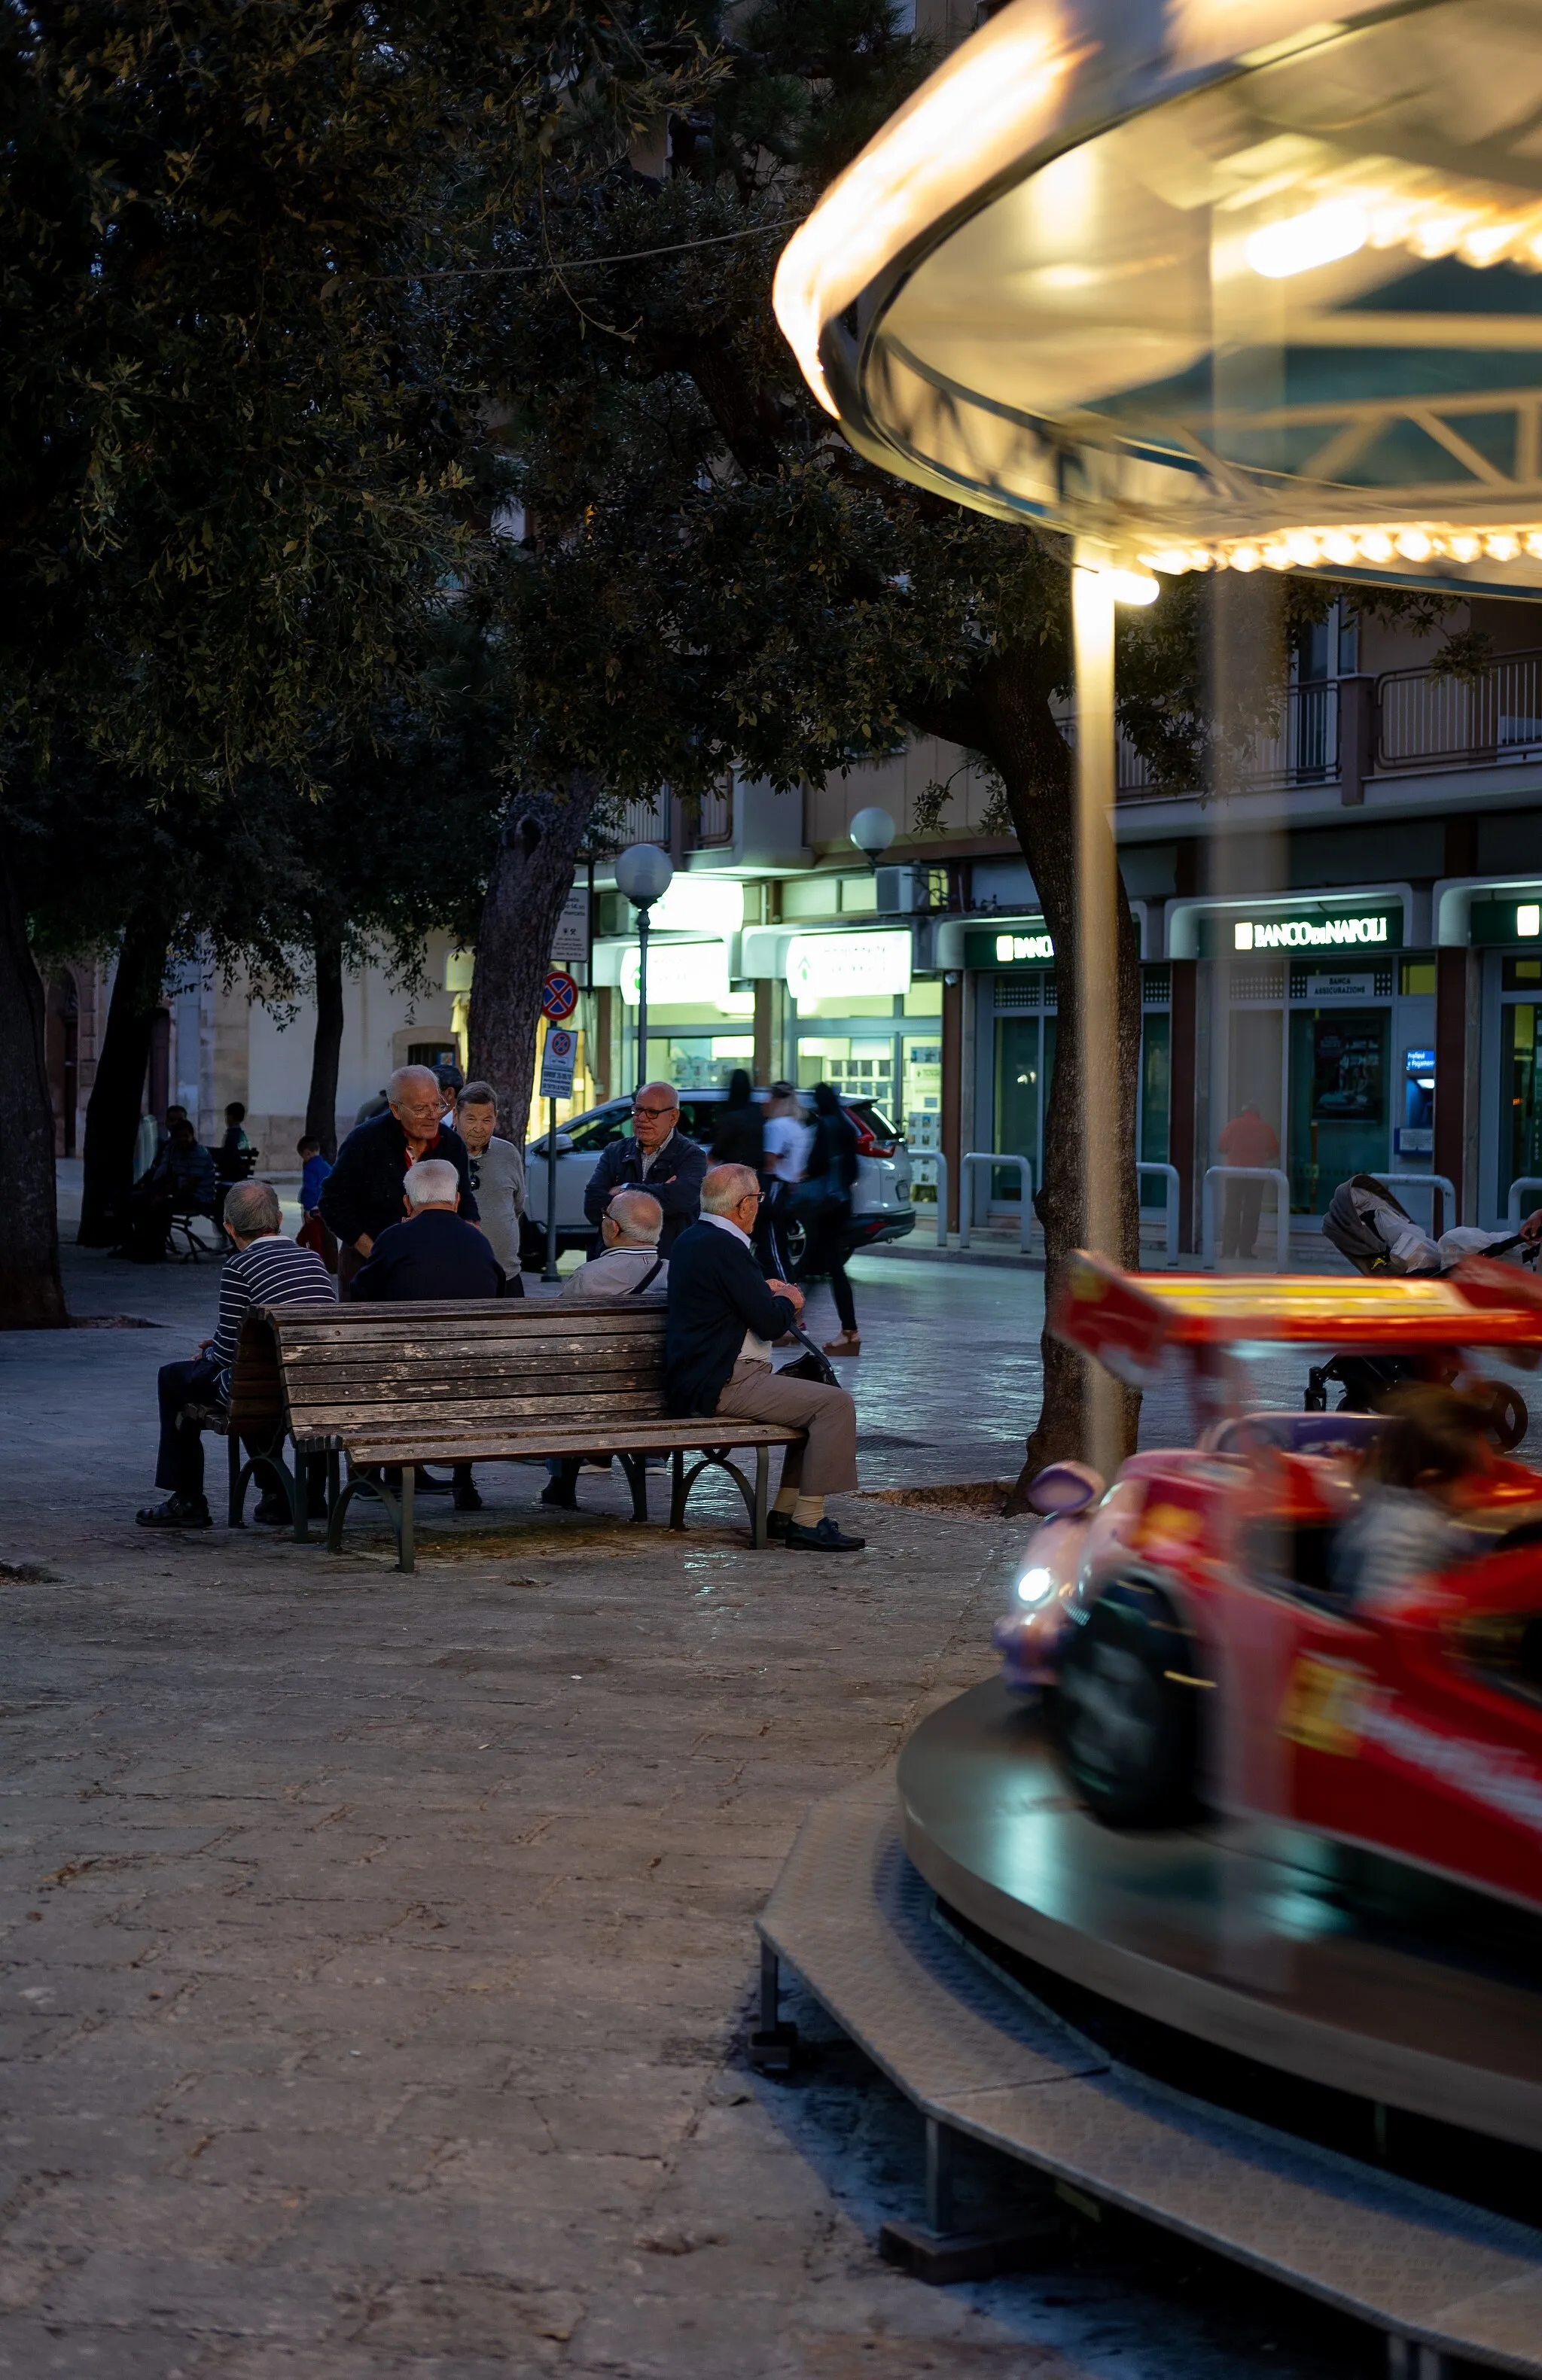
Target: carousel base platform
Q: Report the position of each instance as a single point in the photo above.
(978, 2055)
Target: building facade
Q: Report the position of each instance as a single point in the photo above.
(1346, 935)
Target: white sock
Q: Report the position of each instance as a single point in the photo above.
(808, 1512)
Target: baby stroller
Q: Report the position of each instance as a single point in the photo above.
(1377, 1234)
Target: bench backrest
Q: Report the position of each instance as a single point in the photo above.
(500, 1365)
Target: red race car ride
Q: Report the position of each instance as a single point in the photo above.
(1195, 1627)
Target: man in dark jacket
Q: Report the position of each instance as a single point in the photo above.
(658, 1159)
(724, 1318)
(362, 1196)
(433, 1255)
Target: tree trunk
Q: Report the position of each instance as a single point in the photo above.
(530, 879)
(1007, 715)
(113, 1108)
(32, 1294)
(321, 1103)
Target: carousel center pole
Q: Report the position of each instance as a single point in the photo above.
(1092, 605)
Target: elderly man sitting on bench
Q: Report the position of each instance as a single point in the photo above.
(724, 1317)
(266, 1269)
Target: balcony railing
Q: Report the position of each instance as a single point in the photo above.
(706, 825)
(1434, 721)
(1304, 752)
(646, 821)
(709, 823)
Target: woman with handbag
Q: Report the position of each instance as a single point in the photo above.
(824, 1202)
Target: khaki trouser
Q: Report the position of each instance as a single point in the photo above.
(829, 1463)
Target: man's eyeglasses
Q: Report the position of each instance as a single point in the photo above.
(654, 1112)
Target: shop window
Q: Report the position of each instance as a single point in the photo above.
(924, 998)
(1416, 978)
(922, 1106)
(1523, 974)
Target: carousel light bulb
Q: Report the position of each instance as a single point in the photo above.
(1245, 557)
(1304, 549)
(1339, 546)
(1534, 540)
(1321, 237)
(1277, 555)
(1463, 548)
(1501, 546)
(1172, 559)
(1413, 545)
(1375, 545)
(1133, 587)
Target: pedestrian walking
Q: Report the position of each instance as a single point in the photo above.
(825, 1204)
(1248, 1139)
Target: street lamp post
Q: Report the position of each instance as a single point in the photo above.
(643, 875)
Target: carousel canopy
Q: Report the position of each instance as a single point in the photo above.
(1208, 284)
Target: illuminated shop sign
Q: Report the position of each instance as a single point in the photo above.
(840, 967)
(1021, 946)
(1506, 921)
(1318, 933)
(679, 974)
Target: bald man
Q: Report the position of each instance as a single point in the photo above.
(657, 1158)
(362, 1195)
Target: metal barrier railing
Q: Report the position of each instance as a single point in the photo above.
(934, 1156)
(1522, 1182)
(1025, 1175)
(1430, 1182)
(1174, 1193)
(1247, 1173)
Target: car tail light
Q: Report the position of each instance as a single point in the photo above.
(868, 1143)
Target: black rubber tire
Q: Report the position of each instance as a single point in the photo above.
(1127, 1722)
(1508, 1417)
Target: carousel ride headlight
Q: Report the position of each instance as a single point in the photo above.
(1035, 1585)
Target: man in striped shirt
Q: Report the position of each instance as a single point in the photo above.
(265, 1271)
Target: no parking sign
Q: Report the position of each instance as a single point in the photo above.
(556, 1063)
(558, 997)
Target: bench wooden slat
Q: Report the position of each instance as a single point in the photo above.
(641, 1438)
(299, 1326)
(577, 1412)
(405, 1385)
(450, 1369)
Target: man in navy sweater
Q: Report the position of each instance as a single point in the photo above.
(724, 1317)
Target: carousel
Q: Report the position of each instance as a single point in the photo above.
(1221, 286)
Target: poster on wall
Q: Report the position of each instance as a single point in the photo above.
(1347, 1085)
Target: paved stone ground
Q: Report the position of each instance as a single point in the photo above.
(375, 1952)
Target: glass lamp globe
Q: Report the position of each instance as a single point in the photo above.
(872, 830)
(643, 874)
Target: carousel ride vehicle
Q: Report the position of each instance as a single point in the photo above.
(1227, 1645)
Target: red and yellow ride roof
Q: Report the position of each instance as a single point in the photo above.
(1127, 1320)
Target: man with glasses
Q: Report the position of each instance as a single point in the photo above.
(657, 1158)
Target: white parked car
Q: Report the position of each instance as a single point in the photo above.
(881, 1205)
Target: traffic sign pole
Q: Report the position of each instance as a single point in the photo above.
(551, 1272)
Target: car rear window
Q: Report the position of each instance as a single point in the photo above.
(867, 1113)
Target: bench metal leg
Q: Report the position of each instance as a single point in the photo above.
(636, 1468)
(236, 1513)
(676, 1489)
(763, 1490)
(405, 1551)
(373, 1490)
(939, 2176)
(1406, 2360)
(716, 1458)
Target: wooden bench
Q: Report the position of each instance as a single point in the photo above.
(504, 1380)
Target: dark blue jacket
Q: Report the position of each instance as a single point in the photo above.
(433, 1256)
(716, 1294)
(674, 1178)
(363, 1193)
